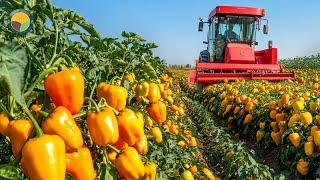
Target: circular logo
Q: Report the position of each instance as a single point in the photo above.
(20, 21)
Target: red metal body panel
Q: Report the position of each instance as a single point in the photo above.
(237, 67)
(239, 53)
(192, 76)
(208, 73)
(267, 56)
(209, 78)
(238, 10)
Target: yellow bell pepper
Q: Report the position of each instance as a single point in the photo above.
(142, 90)
(129, 164)
(156, 133)
(151, 171)
(259, 135)
(306, 118)
(294, 118)
(154, 93)
(208, 173)
(276, 137)
(316, 138)
(193, 142)
(186, 175)
(295, 139)
(308, 148)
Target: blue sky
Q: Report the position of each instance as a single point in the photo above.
(294, 25)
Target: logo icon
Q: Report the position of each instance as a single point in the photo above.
(20, 21)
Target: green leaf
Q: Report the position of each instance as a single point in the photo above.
(149, 70)
(13, 67)
(86, 25)
(10, 172)
(108, 173)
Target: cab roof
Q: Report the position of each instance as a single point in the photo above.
(237, 10)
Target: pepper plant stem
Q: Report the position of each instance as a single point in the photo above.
(38, 130)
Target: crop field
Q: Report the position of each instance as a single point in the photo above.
(104, 108)
(278, 122)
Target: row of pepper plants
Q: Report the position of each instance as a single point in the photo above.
(238, 161)
(282, 116)
(75, 105)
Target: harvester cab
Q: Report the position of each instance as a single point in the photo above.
(230, 53)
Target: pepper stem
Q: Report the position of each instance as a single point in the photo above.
(104, 103)
(79, 115)
(113, 109)
(113, 80)
(38, 130)
(39, 79)
(58, 59)
(93, 102)
(44, 114)
(16, 160)
(114, 148)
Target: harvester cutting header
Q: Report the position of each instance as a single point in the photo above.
(230, 52)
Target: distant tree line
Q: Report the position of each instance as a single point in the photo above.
(181, 66)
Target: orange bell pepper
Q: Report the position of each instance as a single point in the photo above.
(80, 164)
(130, 131)
(112, 156)
(158, 112)
(129, 77)
(142, 146)
(116, 96)
(18, 132)
(120, 144)
(66, 88)
(4, 122)
(44, 157)
(61, 123)
(103, 127)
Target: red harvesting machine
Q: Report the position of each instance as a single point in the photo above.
(230, 50)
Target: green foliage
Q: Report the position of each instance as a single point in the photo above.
(302, 62)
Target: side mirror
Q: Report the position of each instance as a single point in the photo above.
(265, 29)
(205, 42)
(200, 28)
(270, 43)
(256, 43)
